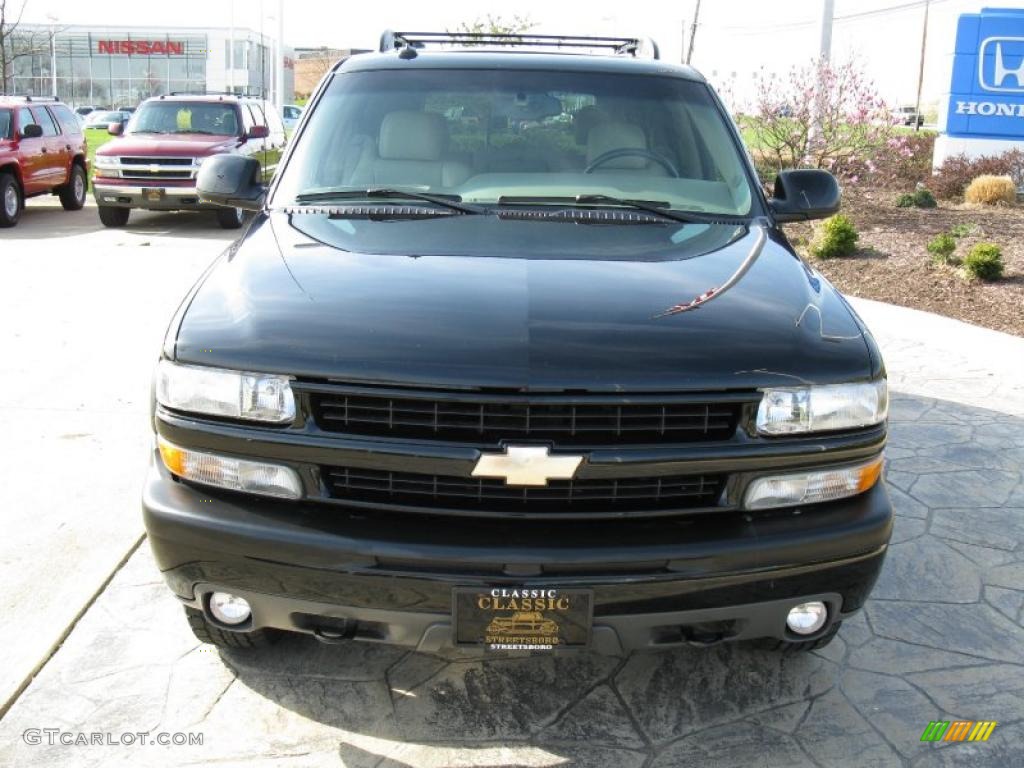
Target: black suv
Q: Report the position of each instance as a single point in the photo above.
(515, 355)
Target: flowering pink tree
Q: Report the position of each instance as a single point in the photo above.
(822, 115)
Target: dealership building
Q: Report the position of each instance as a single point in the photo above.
(113, 66)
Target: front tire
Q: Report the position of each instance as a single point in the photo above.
(206, 632)
(11, 200)
(72, 194)
(112, 216)
(230, 218)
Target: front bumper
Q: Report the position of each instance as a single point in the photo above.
(335, 573)
(171, 198)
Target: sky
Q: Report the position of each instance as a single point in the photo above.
(733, 36)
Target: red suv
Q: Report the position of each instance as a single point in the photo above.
(42, 150)
(154, 164)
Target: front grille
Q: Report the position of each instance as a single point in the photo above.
(155, 168)
(490, 420)
(158, 160)
(561, 498)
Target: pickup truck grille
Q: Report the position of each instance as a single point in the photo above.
(561, 498)
(489, 420)
(154, 168)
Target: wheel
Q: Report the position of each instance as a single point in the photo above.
(72, 194)
(11, 201)
(206, 632)
(791, 646)
(114, 217)
(230, 218)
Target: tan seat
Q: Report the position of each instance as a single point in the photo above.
(410, 152)
(606, 137)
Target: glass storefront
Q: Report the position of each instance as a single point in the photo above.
(119, 68)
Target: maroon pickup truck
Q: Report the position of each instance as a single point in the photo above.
(42, 151)
(154, 162)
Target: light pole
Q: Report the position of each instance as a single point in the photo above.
(279, 59)
(53, 55)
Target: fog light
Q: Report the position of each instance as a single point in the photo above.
(229, 609)
(807, 618)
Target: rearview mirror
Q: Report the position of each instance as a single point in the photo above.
(31, 131)
(115, 129)
(258, 132)
(232, 181)
(805, 194)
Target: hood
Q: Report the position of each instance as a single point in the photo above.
(167, 145)
(524, 305)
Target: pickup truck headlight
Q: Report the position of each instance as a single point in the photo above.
(796, 488)
(220, 392)
(104, 161)
(792, 410)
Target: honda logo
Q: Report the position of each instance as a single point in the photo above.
(1001, 64)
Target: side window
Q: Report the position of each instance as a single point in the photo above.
(5, 124)
(44, 119)
(25, 118)
(68, 123)
(257, 113)
(247, 118)
(274, 121)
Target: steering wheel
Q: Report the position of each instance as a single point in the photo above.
(614, 154)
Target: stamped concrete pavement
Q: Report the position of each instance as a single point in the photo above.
(941, 639)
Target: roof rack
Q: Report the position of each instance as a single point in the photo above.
(633, 46)
(28, 97)
(204, 93)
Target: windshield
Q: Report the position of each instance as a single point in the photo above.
(185, 117)
(508, 136)
(104, 117)
(5, 123)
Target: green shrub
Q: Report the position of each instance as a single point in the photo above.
(985, 262)
(963, 230)
(921, 198)
(924, 199)
(836, 237)
(941, 248)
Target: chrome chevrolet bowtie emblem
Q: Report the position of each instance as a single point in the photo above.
(527, 465)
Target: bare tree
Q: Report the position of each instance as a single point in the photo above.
(17, 41)
(495, 25)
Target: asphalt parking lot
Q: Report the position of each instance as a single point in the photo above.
(83, 311)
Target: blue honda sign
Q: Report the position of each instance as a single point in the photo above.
(987, 93)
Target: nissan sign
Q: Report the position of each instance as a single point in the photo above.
(986, 97)
(141, 47)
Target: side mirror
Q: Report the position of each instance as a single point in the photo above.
(232, 181)
(31, 131)
(258, 132)
(805, 194)
(115, 129)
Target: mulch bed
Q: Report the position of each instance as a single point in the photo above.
(892, 264)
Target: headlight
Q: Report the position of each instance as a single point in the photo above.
(103, 161)
(219, 392)
(797, 488)
(790, 410)
(231, 473)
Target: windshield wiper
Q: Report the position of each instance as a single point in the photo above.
(451, 202)
(648, 206)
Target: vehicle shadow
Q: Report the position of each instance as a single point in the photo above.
(47, 220)
(942, 634)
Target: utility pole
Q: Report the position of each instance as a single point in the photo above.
(682, 41)
(279, 62)
(920, 71)
(828, 12)
(231, 49)
(693, 32)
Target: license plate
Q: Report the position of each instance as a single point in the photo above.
(528, 619)
(154, 195)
